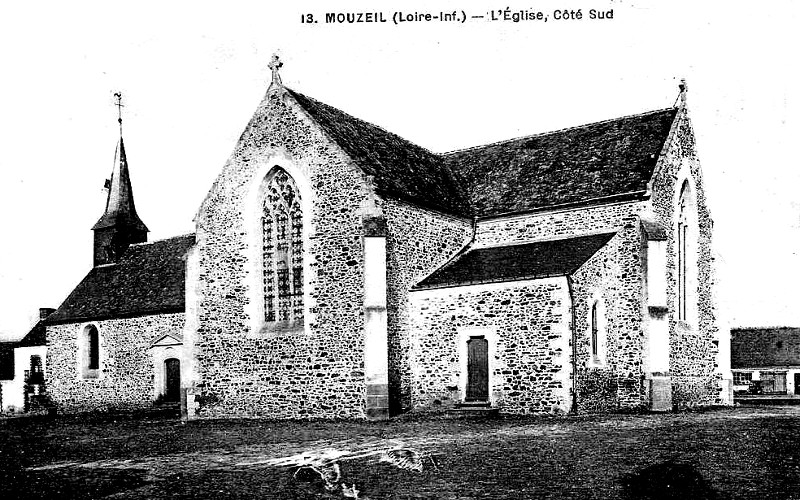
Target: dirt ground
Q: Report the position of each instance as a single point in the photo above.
(720, 454)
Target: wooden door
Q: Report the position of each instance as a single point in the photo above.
(477, 369)
(172, 370)
(780, 383)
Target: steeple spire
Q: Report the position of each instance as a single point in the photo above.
(120, 225)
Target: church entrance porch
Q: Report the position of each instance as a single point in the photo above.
(168, 361)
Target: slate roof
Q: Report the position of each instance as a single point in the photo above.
(541, 259)
(613, 158)
(36, 336)
(654, 230)
(148, 279)
(400, 168)
(765, 347)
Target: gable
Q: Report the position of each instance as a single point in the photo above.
(148, 279)
(543, 259)
(612, 160)
(171, 339)
(399, 168)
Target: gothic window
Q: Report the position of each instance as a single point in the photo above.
(595, 349)
(684, 247)
(282, 251)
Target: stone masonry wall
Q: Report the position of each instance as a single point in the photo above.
(613, 276)
(419, 241)
(554, 224)
(317, 372)
(693, 344)
(529, 337)
(125, 379)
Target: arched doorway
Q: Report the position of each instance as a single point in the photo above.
(172, 380)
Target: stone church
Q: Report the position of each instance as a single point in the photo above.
(338, 270)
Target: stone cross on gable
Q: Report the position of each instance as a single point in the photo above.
(684, 88)
(275, 65)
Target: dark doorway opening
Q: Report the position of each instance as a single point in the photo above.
(172, 370)
(477, 369)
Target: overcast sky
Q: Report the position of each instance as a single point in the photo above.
(192, 74)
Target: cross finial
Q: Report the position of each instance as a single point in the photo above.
(119, 105)
(275, 65)
(684, 88)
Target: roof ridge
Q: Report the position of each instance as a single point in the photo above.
(765, 328)
(549, 239)
(557, 131)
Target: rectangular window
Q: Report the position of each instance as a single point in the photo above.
(742, 378)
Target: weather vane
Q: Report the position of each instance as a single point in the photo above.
(119, 105)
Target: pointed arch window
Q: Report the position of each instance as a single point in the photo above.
(595, 347)
(597, 333)
(684, 247)
(282, 251)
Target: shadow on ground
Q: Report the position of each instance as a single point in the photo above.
(668, 480)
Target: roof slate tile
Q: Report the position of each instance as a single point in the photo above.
(148, 279)
(543, 259)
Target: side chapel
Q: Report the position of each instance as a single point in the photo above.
(338, 270)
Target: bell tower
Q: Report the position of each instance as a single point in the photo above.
(120, 226)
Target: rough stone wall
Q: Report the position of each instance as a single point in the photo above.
(693, 345)
(418, 242)
(316, 372)
(125, 379)
(554, 224)
(529, 361)
(614, 276)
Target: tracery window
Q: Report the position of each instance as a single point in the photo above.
(282, 248)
